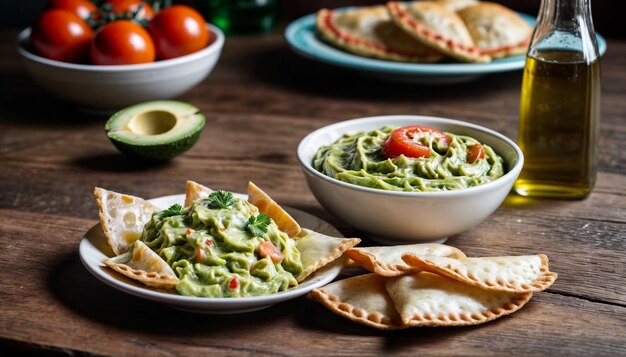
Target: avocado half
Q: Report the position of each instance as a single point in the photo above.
(155, 131)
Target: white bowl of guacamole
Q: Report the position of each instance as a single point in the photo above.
(404, 199)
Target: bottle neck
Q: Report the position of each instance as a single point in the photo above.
(565, 25)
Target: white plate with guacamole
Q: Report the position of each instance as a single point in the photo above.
(94, 248)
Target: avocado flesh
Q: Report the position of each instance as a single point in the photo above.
(155, 131)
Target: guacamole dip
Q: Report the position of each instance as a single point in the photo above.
(451, 163)
(223, 247)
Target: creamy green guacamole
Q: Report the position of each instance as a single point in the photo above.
(209, 247)
(358, 159)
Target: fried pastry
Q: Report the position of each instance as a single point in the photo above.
(434, 25)
(370, 32)
(387, 261)
(526, 273)
(496, 30)
(427, 299)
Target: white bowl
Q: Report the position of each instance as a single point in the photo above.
(109, 88)
(392, 217)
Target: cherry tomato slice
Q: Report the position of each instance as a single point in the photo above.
(61, 35)
(407, 141)
(475, 152)
(179, 30)
(130, 6)
(267, 249)
(234, 283)
(122, 42)
(82, 8)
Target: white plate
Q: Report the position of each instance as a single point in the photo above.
(94, 248)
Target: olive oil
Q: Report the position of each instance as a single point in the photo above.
(559, 114)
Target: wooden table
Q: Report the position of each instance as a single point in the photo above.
(259, 102)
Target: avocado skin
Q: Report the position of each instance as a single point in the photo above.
(158, 152)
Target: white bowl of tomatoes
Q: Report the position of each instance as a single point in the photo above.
(108, 61)
(398, 217)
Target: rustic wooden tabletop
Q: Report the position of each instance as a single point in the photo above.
(259, 102)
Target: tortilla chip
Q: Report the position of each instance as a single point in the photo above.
(387, 261)
(266, 205)
(426, 299)
(512, 274)
(142, 264)
(195, 191)
(362, 299)
(122, 217)
(317, 250)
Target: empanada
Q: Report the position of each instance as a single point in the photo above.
(369, 31)
(436, 26)
(496, 30)
(317, 250)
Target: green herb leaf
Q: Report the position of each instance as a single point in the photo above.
(257, 225)
(221, 199)
(173, 210)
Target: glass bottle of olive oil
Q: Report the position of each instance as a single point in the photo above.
(560, 103)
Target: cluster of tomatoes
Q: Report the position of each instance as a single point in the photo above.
(117, 32)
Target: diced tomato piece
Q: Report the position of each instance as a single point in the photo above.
(189, 231)
(407, 141)
(475, 152)
(234, 283)
(209, 242)
(200, 255)
(267, 249)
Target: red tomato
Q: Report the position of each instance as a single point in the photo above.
(61, 35)
(474, 153)
(407, 141)
(267, 249)
(234, 283)
(179, 30)
(130, 6)
(82, 8)
(122, 42)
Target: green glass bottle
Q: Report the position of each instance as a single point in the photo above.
(241, 16)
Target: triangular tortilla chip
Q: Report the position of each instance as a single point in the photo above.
(362, 299)
(513, 274)
(142, 264)
(387, 261)
(427, 299)
(317, 250)
(266, 205)
(122, 217)
(195, 191)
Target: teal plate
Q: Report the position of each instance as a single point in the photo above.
(301, 36)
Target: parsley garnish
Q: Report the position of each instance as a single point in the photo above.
(257, 225)
(221, 199)
(174, 210)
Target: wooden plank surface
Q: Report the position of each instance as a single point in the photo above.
(260, 101)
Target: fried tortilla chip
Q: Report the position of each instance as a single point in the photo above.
(387, 261)
(512, 274)
(362, 299)
(426, 299)
(266, 205)
(317, 250)
(142, 264)
(195, 191)
(122, 217)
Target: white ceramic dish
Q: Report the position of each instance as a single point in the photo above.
(392, 217)
(110, 88)
(94, 248)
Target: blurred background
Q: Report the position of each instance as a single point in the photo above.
(607, 14)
